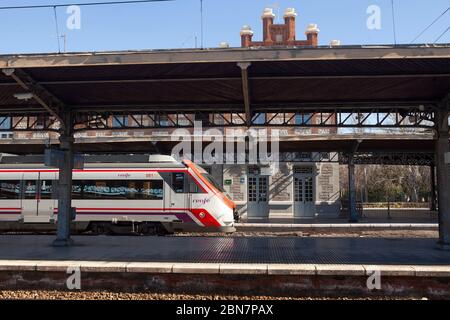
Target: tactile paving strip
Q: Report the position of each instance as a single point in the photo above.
(283, 250)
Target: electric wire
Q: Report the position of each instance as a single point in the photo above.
(431, 24)
(80, 4)
(57, 28)
(442, 34)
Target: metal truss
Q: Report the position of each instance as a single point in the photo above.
(381, 117)
(394, 117)
(361, 158)
(376, 117)
(309, 157)
(157, 119)
(390, 158)
(39, 123)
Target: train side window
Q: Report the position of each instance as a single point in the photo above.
(193, 186)
(77, 188)
(178, 182)
(133, 189)
(10, 189)
(95, 190)
(29, 189)
(46, 189)
(152, 190)
(116, 189)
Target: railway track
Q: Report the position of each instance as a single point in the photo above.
(108, 295)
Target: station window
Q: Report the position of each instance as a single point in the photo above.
(40, 122)
(118, 189)
(302, 119)
(259, 118)
(163, 121)
(120, 121)
(5, 123)
(10, 189)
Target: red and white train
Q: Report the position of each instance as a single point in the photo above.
(114, 196)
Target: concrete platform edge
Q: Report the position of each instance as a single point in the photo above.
(227, 268)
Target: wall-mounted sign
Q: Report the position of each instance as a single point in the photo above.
(228, 182)
(266, 171)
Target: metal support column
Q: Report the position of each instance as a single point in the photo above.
(433, 198)
(443, 177)
(353, 214)
(246, 91)
(65, 186)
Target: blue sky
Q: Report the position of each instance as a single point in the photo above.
(175, 24)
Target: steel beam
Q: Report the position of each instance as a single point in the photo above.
(274, 77)
(433, 205)
(42, 96)
(86, 120)
(229, 55)
(411, 117)
(443, 176)
(353, 214)
(392, 158)
(246, 91)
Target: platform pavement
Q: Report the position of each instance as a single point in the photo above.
(340, 225)
(227, 255)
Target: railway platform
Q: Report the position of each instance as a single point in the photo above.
(253, 265)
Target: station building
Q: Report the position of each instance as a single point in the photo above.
(306, 185)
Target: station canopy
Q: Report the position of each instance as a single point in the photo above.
(243, 80)
(211, 79)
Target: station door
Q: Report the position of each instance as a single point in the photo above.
(257, 192)
(304, 206)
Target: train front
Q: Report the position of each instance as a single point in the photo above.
(212, 207)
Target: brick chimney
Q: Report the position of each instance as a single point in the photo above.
(246, 36)
(312, 33)
(289, 20)
(267, 18)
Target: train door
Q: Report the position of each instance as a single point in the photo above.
(46, 201)
(177, 195)
(257, 195)
(304, 206)
(29, 204)
(37, 204)
(11, 202)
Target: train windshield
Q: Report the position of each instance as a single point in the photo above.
(214, 182)
(211, 179)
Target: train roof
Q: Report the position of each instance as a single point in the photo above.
(95, 161)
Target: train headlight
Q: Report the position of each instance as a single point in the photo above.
(202, 215)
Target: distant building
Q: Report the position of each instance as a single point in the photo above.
(279, 34)
(306, 184)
